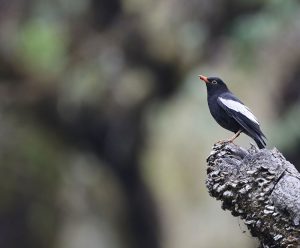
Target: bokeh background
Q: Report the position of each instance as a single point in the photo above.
(104, 125)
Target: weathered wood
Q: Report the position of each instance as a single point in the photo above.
(259, 186)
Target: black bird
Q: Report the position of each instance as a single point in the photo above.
(230, 112)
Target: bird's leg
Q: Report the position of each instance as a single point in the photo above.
(237, 134)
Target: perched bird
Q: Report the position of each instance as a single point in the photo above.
(230, 112)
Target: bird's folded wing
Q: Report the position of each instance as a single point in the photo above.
(237, 110)
(233, 106)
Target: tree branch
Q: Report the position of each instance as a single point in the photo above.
(261, 187)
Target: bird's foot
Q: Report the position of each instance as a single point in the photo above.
(224, 141)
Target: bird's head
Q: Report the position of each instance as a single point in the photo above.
(214, 83)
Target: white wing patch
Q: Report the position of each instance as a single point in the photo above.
(239, 107)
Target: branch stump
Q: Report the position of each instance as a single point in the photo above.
(259, 186)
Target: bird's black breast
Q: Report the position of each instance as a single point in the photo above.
(222, 118)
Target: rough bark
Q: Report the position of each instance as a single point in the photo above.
(259, 186)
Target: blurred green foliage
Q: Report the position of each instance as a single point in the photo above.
(42, 47)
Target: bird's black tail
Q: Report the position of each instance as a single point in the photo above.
(260, 141)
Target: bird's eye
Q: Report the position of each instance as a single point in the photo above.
(214, 82)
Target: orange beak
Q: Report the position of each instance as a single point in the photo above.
(203, 78)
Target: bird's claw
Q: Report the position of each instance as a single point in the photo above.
(223, 141)
(226, 141)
